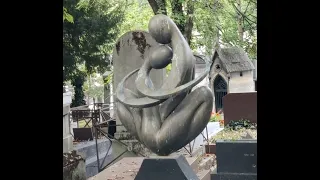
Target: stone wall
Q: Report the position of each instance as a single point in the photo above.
(240, 84)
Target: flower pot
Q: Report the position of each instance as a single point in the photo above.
(210, 148)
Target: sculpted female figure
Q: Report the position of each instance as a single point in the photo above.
(167, 118)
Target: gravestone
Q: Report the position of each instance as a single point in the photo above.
(236, 160)
(165, 167)
(83, 134)
(237, 106)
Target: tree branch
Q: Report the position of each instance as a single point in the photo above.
(243, 15)
(246, 7)
(253, 1)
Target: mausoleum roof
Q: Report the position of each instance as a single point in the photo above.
(233, 59)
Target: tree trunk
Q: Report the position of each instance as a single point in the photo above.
(178, 16)
(158, 6)
(189, 23)
(240, 21)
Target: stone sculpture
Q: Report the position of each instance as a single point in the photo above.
(165, 119)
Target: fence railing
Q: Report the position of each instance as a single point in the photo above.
(100, 118)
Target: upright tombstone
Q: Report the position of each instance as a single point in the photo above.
(128, 54)
(239, 106)
(236, 160)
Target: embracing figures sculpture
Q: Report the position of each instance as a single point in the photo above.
(168, 118)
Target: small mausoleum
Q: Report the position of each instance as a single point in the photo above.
(231, 72)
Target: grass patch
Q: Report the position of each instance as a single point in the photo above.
(236, 130)
(228, 134)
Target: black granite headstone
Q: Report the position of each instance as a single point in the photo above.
(236, 160)
(83, 134)
(237, 156)
(166, 168)
(112, 128)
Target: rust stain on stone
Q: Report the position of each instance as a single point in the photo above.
(118, 47)
(140, 40)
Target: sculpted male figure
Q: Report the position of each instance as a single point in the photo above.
(165, 119)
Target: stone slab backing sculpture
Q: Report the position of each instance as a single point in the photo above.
(167, 117)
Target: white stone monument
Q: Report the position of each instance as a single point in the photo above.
(67, 137)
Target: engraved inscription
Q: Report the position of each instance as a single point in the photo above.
(251, 155)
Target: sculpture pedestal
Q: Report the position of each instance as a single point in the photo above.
(166, 167)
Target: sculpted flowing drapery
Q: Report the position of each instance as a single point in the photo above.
(167, 118)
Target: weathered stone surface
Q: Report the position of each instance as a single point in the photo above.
(74, 167)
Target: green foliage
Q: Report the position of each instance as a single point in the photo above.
(217, 22)
(219, 19)
(93, 86)
(90, 39)
(108, 79)
(229, 135)
(77, 82)
(240, 124)
(66, 16)
(215, 117)
(168, 69)
(137, 16)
